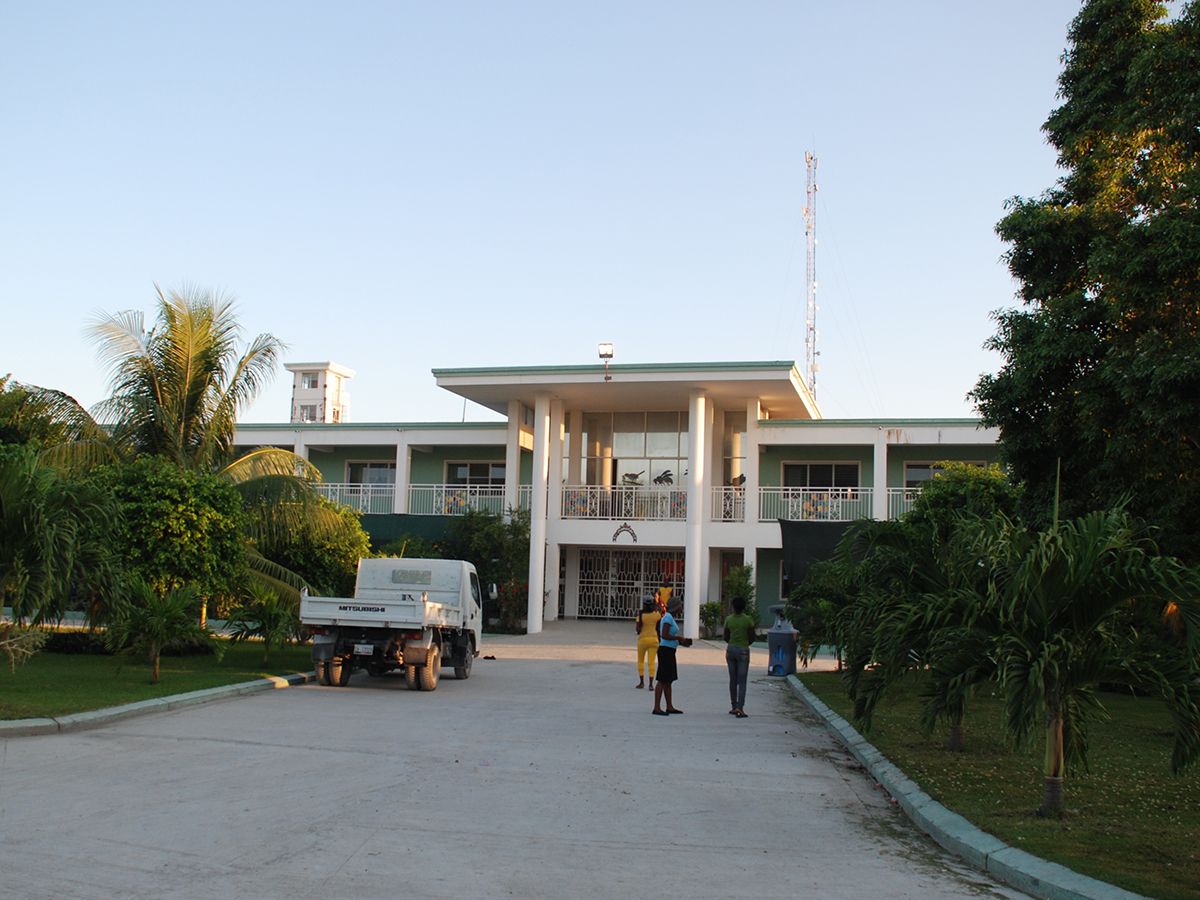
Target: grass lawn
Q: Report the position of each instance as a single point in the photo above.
(1130, 821)
(54, 684)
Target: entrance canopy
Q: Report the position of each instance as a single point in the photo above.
(777, 385)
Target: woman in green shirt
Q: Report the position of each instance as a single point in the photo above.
(739, 635)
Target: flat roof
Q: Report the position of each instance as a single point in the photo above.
(638, 386)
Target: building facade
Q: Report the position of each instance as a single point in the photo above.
(637, 473)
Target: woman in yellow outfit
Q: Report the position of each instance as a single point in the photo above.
(647, 643)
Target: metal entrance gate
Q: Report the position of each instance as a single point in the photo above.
(612, 583)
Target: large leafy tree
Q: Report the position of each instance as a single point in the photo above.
(1102, 363)
(176, 527)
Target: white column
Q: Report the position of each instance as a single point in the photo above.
(879, 494)
(575, 464)
(554, 478)
(403, 474)
(299, 447)
(512, 458)
(750, 466)
(695, 558)
(537, 519)
(551, 590)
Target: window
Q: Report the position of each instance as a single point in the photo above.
(916, 474)
(308, 412)
(634, 448)
(820, 475)
(371, 472)
(489, 474)
(310, 381)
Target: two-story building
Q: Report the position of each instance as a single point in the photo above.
(636, 473)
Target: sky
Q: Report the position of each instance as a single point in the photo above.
(403, 186)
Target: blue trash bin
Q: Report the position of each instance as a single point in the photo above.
(781, 645)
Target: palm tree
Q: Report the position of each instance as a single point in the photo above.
(177, 391)
(266, 615)
(147, 622)
(1065, 601)
(53, 537)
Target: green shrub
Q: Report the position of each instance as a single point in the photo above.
(710, 617)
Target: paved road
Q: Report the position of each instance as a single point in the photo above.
(544, 775)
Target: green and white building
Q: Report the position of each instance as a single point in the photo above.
(632, 473)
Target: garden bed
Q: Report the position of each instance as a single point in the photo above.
(56, 684)
(1130, 821)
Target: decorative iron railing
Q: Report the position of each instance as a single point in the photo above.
(454, 499)
(900, 501)
(729, 504)
(814, 504)
(366, 498)
(645, 503)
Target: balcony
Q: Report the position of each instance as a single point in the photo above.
(455, 499)
(423, 499)
(366, 498)
(900, 501)
(622, 503)
(814, 504)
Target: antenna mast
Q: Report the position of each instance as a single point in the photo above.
(810, 272)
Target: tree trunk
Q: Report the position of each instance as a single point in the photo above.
(204, 613)
(154, 664)
(957, 738)
(1053, 798)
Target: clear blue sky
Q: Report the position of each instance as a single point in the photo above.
(402, 186)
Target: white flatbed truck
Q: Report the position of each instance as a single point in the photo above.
(412, 614)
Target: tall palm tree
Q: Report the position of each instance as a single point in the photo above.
(177, 391)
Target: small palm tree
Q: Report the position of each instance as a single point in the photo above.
(147, 623)
(266, 615)
(1064, 602)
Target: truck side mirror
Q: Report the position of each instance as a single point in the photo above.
(492, 592)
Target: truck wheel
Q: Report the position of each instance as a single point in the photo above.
(463, 672)
(347, 671)
(339, 672)
(410, 678)
(322, 667)
(432, 670)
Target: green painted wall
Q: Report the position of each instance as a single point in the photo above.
(771, 460)
(385, 528)
(430, 468)
(767, 580)
(333, 463)
(898, 455)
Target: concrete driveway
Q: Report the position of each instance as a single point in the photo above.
(543, 775)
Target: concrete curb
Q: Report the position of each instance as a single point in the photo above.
(98, 717)
(1014, 867)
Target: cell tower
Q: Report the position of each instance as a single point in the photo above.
(810, 273)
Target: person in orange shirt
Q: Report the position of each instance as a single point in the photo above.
(662, 596)
(647, 642)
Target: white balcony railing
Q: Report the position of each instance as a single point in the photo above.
(454, 499)
(729, 504)
(525, 496)
(366, 498)
(900, 501)
(814, 504)
(645, 503)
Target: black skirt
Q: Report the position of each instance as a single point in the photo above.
(667, 670)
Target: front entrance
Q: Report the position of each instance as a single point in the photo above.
(612, 583)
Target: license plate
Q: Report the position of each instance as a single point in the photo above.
(364, 649)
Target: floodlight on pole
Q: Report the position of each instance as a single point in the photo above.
(606, 353)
